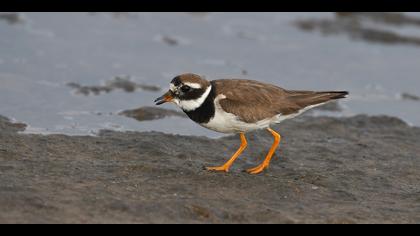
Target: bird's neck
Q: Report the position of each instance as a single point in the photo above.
(206, 109)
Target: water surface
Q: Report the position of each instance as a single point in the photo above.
(41, 53)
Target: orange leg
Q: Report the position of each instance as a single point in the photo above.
(227, 165)
(266, 162)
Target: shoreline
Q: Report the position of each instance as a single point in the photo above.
(361, 169)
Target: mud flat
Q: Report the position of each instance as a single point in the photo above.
(354, 26)
(328, 170)
(151, 113)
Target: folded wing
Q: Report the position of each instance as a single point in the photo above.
(253, 101)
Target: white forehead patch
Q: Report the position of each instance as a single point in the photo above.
(193, 85)
(172, 87)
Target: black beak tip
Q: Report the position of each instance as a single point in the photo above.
(159, 100)
(162, 99)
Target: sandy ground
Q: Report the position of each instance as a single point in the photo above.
(327, 170)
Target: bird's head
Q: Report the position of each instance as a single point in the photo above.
(188, 91)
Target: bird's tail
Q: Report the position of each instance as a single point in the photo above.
(334, 94)
(307, 98)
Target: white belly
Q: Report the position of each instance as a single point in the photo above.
(229, 123)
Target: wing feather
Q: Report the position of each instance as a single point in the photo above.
(253, 101)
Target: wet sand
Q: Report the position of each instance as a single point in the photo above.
(118, 82)
(328, 170)
(353, 25)
(151, 113)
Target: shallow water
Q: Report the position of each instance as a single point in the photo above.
(41, 53)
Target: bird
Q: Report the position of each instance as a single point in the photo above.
(238, 106)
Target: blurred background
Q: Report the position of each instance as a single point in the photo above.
(78, 73)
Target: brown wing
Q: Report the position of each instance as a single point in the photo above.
(253, 101)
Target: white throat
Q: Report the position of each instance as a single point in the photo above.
(190, 105)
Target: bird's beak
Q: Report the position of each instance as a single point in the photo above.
(167, 97)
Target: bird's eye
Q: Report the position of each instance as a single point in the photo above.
(185, 88)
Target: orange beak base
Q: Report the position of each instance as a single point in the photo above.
(167, 97)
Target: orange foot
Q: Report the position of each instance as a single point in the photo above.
(266, 162)
(218, 168)
(229, 163)
(257, 169)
